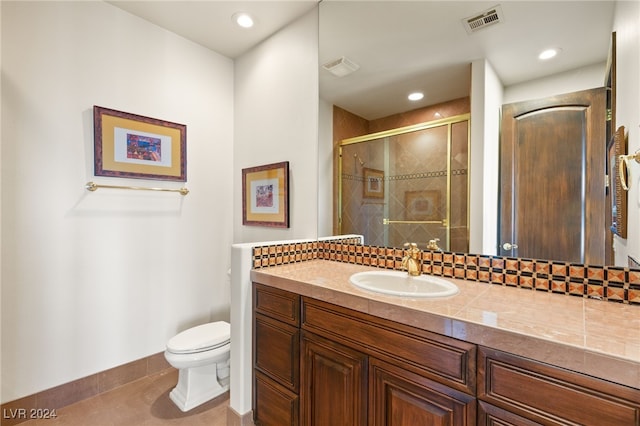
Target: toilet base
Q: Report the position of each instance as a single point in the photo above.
(197, 385)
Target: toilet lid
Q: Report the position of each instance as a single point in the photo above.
(200, 338)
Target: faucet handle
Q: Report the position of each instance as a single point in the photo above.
(411, 245)
(433, 244)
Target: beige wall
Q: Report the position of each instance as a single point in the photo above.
(276, 119)
(95, 280)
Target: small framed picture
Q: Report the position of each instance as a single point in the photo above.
(373, 183)
(265, 195)
(423, 205)
(132, 146)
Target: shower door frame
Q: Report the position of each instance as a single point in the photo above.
(449, 122)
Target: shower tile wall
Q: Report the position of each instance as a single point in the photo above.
(345, 125)
(358, 212)
(418, 186)
(422, 115)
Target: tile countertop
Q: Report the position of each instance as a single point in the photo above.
(598, 338)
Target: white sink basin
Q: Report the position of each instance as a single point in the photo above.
(400, 283)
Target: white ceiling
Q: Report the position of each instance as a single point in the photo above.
(403, 46)
(209, 23)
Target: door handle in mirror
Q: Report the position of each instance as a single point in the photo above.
(509, 246)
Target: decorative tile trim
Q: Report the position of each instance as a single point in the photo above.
(434, 174)
(265, 256)
(610, 283)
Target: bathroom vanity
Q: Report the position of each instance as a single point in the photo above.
(327, 352)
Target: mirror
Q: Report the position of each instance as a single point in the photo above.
(394, 48)
(420, 183)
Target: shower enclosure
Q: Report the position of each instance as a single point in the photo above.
(407, 184)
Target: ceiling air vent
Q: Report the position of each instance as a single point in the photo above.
(341, 67)
(483, 19)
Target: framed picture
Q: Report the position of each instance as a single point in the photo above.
(132, 146)
(618, 195)
(423, 205)
(265, 195)
(373, 183)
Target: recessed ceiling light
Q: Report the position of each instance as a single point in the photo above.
(243, 19)
(548, 54)
(416, 96)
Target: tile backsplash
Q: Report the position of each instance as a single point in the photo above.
(610, 283)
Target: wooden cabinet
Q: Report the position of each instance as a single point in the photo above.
(359, 369)
(344, 387)
(318, 364)
(549, 395)
(276, 356)
(442, 359)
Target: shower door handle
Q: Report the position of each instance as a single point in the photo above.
(386, 221)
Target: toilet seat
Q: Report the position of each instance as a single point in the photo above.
(201, 338)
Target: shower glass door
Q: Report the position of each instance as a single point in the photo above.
(408, 184)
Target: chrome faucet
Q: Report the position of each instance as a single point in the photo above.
(411, 261)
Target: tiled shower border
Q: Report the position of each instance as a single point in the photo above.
(609, 283)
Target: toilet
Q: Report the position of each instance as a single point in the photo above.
(201, 354)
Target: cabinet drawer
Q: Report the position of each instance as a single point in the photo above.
(551, 395)
(446, 360)
(488, 415)
(273, 404)
(277, 350)
(276, 303)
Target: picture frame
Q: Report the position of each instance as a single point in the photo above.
(423, 206)
(616, 147)
(133, 146)
(373, 183)
(265, 195)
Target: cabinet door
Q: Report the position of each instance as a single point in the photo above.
(333, 383)
(398, 398)
(276, 350)
(274, 404)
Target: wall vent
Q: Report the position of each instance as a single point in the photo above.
(483, 19)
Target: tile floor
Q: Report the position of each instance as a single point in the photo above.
(144, 402)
